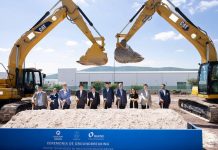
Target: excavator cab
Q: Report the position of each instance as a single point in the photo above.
(31, 78)
(208, 79)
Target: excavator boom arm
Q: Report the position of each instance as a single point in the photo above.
(180, 22)
(20, 50)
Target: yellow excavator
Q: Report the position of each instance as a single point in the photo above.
(207, 89)
(21, 81)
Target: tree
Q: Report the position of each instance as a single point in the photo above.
(98, 85)
(193, 82)
(114, 86)
(137, 87)
(57, 86)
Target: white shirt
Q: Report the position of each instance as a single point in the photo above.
(93, 95)
(164, 91)
(146, 93)
(81, 93)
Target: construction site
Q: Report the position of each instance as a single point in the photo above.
(109, 117)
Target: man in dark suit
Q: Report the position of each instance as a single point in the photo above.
(164, 97)
(121, 97)
(108, 95)
(81, 95)
(94, 98)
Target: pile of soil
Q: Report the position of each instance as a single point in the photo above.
(98, 119)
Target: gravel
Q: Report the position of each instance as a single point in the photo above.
(98, 119)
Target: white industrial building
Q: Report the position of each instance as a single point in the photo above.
(153, 78)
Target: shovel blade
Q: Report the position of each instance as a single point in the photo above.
(125, 54)
(94, 56)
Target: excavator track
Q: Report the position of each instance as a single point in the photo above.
(205, 109)
(9, 110)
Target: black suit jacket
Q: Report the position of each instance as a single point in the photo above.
(108, 95)
(82, 98)
(96, 99)
(123, 97)
(166, 98)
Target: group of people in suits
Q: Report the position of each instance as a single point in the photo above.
(62, 99)
(146, 102)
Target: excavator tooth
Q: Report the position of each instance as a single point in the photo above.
(94, 56)
(125, 54)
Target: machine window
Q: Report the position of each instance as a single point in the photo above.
(203, 76)
(37, 78)
(214, 80)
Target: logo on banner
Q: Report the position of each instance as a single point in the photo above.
(76, 135)
(93, 136)
(58, 136)
(58, 133)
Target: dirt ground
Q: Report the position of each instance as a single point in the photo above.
(210, 130)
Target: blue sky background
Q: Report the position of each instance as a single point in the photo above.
(157, 41)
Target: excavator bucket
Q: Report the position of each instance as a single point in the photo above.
(125, 54)
(94, 56)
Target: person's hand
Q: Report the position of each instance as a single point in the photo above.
(118, 98)
(51, 101)
(161, 101)
(105, 99)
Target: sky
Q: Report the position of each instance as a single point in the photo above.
(158, 42)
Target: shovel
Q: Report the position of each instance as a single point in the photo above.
(91, 100)
(105, 101)
(118, 102)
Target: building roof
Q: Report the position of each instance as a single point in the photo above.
(134, 72)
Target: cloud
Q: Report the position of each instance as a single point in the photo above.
(169, 35)
(4, 49)
(179, 37)
(204, 5)
(178, 2)
(84, 2)
(180, 50)
(89, 43)
(215, 40)
(71, 43)
(200, 6)
(136, 5)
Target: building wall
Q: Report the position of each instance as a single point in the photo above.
(51, 82)
(67, 75)
(73, 78)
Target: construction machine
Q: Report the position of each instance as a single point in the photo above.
(207, 89)
(21, 81)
